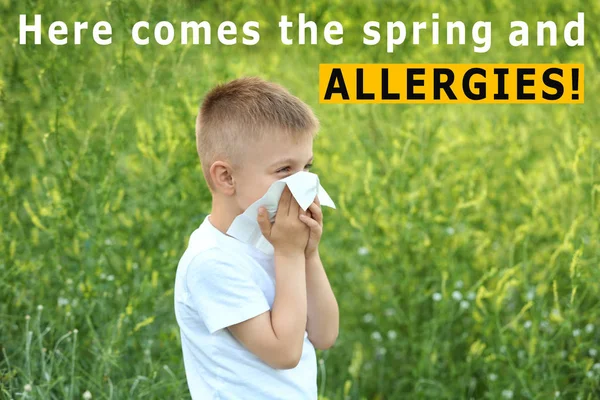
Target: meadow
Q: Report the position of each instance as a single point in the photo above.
(464, 251)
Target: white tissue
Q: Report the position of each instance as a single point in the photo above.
(304, 186)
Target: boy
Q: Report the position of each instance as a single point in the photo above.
(250, 322)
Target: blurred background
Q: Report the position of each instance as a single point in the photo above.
(464, 252)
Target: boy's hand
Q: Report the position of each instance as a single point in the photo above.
(314, 220)
(288, 233)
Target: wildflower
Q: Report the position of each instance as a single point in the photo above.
(590, 374)
(589, 328)
(492, 377)
(103, 276)
(40, 307)
(376, 336)
(458, 284)
(527, 324)
(110, 278)
(69, 281)
(135, 265)
(521, 354)
(380, 352)
(108, 242)
(593, 352)
(450, 231)
(437, 296)
(503, 349)
(576, 332)
(27, 317)
(363, 251)
(471, 296)
(456, 295)
(321, 361)
(530, 294)
(27, 387)
(389, 312)
(557, 394)
(507, 394)
(545, 325)
(563, 354)
(464, 304)
(596, 366)
(392, 335)
(62, 301)
(368, 318)
(87, 395)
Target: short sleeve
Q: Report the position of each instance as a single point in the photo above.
(223, 292)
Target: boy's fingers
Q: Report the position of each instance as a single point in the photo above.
(284, 201)
(311, 223)
(263, 222)
(316, 211)
(317, 201)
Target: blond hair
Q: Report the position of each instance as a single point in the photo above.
(244, 110)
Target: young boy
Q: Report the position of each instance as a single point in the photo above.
(249, 321)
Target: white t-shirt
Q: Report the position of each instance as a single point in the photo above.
(222, 281)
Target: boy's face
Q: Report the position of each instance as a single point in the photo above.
(274, 158)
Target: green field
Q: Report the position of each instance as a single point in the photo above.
(464, 252)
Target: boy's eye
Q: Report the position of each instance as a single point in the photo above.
(287, 169)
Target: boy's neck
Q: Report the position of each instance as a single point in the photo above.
(220, 218)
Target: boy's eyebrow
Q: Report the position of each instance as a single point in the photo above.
(289, 161)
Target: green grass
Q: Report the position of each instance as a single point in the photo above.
(464, 251)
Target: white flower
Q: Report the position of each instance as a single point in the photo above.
(503, 349)
(464, 304)
(27, 387)
(389, 312)
(589, 328)
(507, 394)
(563, 354)
(69, 281)
(527, 324)
(392, 335)
(135, 266)
(376, 336)
(471, 296)
(456, 295)
(437, 296)
(576, 332)
(103, 276)
(521, 354)
(62, 301)
(107, 242)
(590, 374)
(596, 366)
(110, 278)
(87, 395)
(363, 251)
(593, 352)
(557, 394)
(368, 318)
(530, 294)
(458, 284)
(380, 352)
(40, 307)
(492, 377)
(450, 230)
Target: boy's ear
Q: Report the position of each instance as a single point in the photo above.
(220, 173)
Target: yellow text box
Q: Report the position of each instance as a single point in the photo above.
(451, 83)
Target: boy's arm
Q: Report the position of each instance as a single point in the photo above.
(322, 311)
(277, 336)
